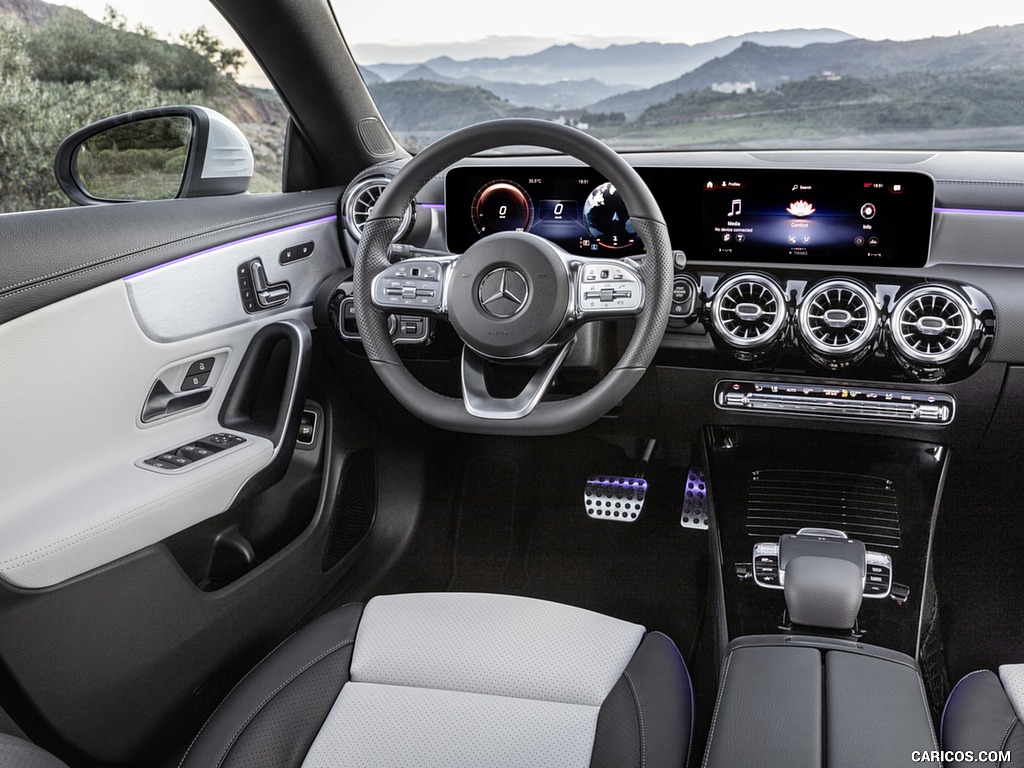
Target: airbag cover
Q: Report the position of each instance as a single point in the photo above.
(508, 295)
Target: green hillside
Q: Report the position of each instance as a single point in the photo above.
(60, 70)
(410, 105)
(819, 108)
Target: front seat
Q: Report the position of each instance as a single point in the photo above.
(983, 714)
(453, 681)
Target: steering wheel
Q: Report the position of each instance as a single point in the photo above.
(513, 297)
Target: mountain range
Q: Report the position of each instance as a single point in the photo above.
(570, 78)
(769, 67)
(567, 77)
(634, 65)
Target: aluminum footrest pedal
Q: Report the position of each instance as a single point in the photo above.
(607, 497)
(695, 502)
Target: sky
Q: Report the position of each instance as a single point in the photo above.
(408, 22)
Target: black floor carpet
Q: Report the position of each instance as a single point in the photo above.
(521, 529)
(979, 575)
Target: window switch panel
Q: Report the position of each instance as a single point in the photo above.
(193, 453)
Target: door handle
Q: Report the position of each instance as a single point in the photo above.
(161, 402)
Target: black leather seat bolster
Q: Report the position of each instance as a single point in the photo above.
(18, 753)
(979, 718)
(276, 711)
(647, 719)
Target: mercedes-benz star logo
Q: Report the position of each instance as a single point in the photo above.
(503, 292)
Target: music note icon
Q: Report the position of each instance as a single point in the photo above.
(737, 208)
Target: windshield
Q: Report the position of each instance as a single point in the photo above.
(744, 74)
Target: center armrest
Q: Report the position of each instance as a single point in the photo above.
(817, 703)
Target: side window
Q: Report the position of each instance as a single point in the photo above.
(64, 71)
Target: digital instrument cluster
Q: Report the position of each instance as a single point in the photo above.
(819, 217)
(575, 208)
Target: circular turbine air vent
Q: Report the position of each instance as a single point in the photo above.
(931, 324)
(748, 311)
(359, 202)
(838, 318)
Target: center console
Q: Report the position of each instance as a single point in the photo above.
(823, 540)
(870, 498)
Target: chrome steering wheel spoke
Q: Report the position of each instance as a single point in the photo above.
(605, 288)
(480, 403)
(416, 285)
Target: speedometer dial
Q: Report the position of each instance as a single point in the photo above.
(502, 206)
(607, 219)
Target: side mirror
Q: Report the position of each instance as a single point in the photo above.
(154, 154)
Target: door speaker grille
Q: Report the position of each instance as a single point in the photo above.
(783, 501)
(354, 507)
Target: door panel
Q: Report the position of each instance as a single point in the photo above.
(116, 629)
(79, 492)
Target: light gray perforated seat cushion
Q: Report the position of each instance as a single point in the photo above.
(452, 680)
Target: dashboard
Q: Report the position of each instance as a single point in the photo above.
(903, 306)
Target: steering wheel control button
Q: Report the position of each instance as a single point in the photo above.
(413, 284)
(608, 288)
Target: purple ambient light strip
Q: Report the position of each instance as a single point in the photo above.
(233, 243)
(979, 212)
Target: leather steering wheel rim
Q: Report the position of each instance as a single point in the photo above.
(557, 417)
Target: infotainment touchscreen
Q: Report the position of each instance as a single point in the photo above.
(821, 217)
(816, 217)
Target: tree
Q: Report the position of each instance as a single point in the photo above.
(227, 61)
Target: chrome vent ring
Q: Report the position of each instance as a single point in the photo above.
(838, 318)
(360, 199)
(749, 311)
(931, 324)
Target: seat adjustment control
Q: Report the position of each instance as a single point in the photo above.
(256, 291)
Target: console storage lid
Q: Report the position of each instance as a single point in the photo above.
(799, 701)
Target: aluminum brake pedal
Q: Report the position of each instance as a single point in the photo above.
(610, 497)
(615, 498)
